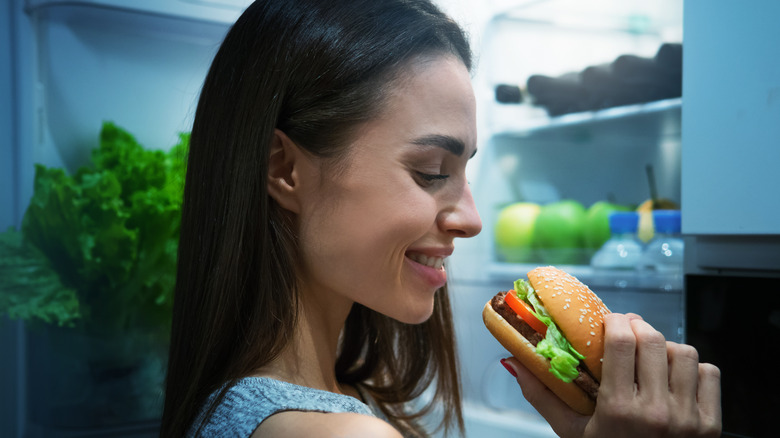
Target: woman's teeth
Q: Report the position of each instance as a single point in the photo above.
(433, 262)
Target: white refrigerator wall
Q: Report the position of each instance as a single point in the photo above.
(91, 64)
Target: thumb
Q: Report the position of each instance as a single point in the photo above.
(564, 421)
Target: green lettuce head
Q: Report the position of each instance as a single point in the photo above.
(106, 238)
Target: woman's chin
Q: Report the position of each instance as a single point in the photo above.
(417, 314)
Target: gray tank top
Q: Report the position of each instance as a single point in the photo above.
(253, 399)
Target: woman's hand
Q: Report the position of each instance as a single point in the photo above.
(650, 388)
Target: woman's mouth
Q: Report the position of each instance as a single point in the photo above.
(431, 262)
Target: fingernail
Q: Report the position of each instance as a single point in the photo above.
(508, 367)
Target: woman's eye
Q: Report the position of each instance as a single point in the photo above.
(429, 179)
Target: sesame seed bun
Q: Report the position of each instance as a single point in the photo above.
(577, 311)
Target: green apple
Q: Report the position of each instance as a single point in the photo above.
(596, 226)
(559, 232)
(514, 231)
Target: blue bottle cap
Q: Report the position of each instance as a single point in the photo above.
(667, 221)
(623, 222)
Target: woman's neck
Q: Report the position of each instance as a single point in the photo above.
(310, 357)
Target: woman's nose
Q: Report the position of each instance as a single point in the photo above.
(462, 220)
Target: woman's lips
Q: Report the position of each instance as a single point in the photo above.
(430, 268)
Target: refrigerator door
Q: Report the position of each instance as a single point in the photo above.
(732, 90)
(732, 202)
(68, 67)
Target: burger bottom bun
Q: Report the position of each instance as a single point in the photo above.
(525, 352)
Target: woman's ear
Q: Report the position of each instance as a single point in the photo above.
(283, 177)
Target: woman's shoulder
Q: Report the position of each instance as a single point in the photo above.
(295, 424)
(253, 400)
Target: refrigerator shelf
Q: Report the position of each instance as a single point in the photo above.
(503, 270)
(600, 281)
(214, 11)
(658, 18)
(651, 119)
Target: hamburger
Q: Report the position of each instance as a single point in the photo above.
(554, 325)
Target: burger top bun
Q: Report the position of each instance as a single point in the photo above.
(577, 311)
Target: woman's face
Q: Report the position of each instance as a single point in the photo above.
(378, 232)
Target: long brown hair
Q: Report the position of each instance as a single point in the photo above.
(315, 70)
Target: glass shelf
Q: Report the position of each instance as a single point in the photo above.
(660, 16)
(646, 119)
(502, 270)
(599, 281)
(212, 11)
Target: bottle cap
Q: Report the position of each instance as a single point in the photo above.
(623, 222)
(667, 221)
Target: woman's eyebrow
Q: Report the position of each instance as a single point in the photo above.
(451, 144)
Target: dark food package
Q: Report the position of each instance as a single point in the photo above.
(629, 79)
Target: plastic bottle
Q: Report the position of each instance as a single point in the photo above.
(614, 264)
(661, 264)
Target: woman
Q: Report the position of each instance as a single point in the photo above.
(325, 187)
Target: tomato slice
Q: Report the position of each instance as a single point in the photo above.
(524, 310)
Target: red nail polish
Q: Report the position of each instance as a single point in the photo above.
(508, 368)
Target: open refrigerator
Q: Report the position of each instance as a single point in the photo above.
(529, 153)
(714, 151)
(67, 66)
